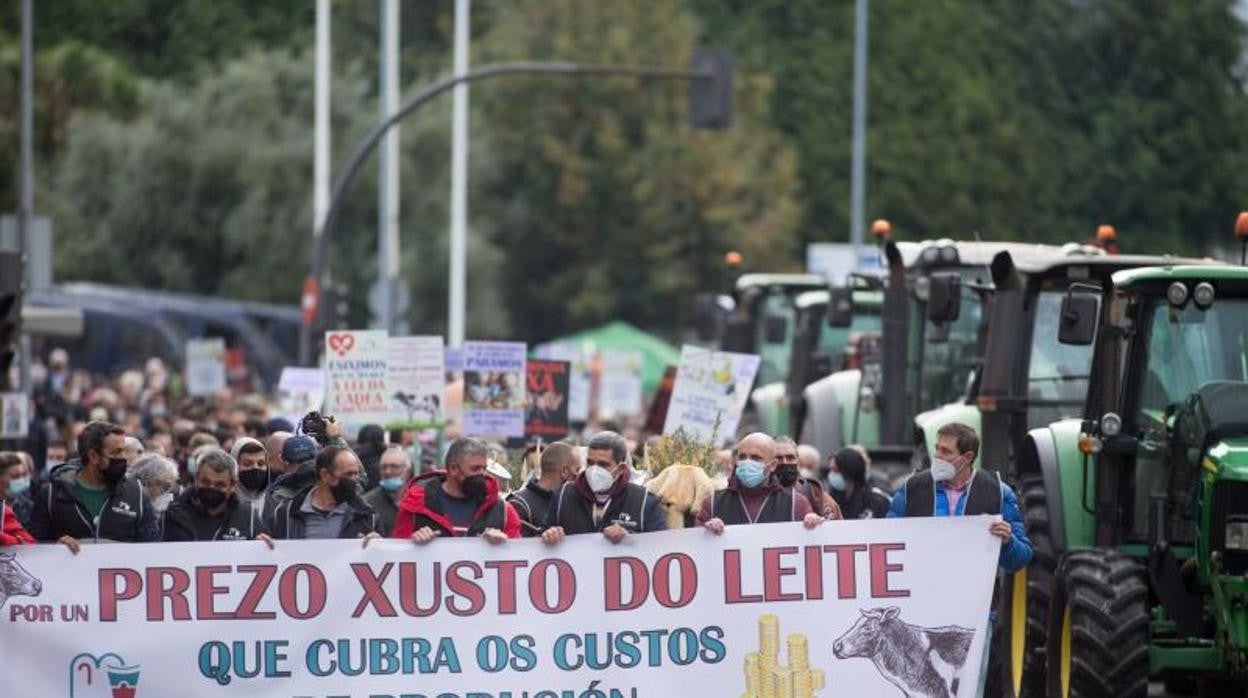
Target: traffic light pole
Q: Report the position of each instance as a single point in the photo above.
(313, 285)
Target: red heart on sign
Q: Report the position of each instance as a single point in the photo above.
(341, 343)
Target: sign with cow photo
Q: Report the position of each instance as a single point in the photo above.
(415, 380)
(880, 608)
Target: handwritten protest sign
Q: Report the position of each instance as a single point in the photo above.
(711, 386)
(415, 378)
(546, 410)
(830, 611)
(494, 389)
(205, 366)
(355, 367)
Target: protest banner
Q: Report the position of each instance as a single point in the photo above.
(14, 415)
(620, 392)
(205, 366)
(765, 610)
(355, 375)
(415, 378)
(299, 391)
(494, 389)
(711, 389)
(546, 410)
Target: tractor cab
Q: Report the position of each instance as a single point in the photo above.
(1146, 499)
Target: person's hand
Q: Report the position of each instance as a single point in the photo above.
(370, 536)
(494, 536)
(424, 535)
(812, 520)
(553, 535)
(715, 526)
(70, 542)
(1002, 530)
(268, 540)
(614, 533)
(332, 428)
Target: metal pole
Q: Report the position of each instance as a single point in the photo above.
(320, 159)
(26, 203)
(388, 189)
(459, 182)
(366, 146)
(858, 175)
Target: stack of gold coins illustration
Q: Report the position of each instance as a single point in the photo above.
(767, 677)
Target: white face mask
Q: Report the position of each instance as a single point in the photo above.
(943, 470)
(599, 478)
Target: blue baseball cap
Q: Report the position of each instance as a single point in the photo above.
(299, 449)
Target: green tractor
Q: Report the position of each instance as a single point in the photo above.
(1142, 503)
(831, 327)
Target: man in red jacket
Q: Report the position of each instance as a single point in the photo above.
(14, 479)
(461, 501)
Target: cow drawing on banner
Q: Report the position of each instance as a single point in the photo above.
(922, 662)
(15, 580)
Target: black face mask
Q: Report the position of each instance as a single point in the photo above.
(114, 470)
(474, 486)
(343, 491)
(254, 479)
(786, 473)
(209, 498)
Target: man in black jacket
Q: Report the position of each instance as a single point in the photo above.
(394, 470)
(558, 465)
(602, 498)
(331, 508)
(212, 509)
(90, 497)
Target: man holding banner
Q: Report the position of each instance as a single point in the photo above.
(754, 493)
(602, 498)
(458, 502)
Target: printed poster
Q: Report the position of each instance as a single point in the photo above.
(580, 382)
(355, 374)
(415, 379)
(833, 611)
(620, 393)
(494, 389)
(14, 415)
(546, 409)
(205, 366)
(711, 386)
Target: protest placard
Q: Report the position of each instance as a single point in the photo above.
(711, 389)
(14, 415)
(832, 611)
(494, 389)
(546, 410)
(205, 366)
(580, 377)
(355, 375)
(300, 390)
(621, 393)
(415, 379)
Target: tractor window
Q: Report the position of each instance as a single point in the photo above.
(775, 309)
(1058, 373)
(948, 365)
(1189, 347)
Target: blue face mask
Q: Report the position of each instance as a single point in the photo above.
(750, 472)
(19, 485)
(836, 481)
(390, 484)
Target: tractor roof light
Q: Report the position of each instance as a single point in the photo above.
(1203, 294)
(881, 229)
(1177, 294)
(1111, 424)
(1241, 225)
(1106, 233)
(733, 259)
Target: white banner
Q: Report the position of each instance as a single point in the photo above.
(494, 389)
(205, 366)
(355, 372)
(764, 610)
(415, 379)
(711, 386)
(621, 382)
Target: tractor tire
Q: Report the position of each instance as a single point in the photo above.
(1098, 627)
(1036, 586)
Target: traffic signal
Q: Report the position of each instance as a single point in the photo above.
(10, 311)
(710, 98)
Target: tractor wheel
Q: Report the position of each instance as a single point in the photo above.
(1098, 627)
(1027, 611)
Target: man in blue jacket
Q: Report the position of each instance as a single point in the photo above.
(953, 487)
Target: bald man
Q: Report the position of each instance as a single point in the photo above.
(273, 451)
(754, 494)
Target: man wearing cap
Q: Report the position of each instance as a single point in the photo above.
(298, 460)
(253, 470)
(394, 470)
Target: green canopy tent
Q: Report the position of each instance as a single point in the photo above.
(656, 354)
